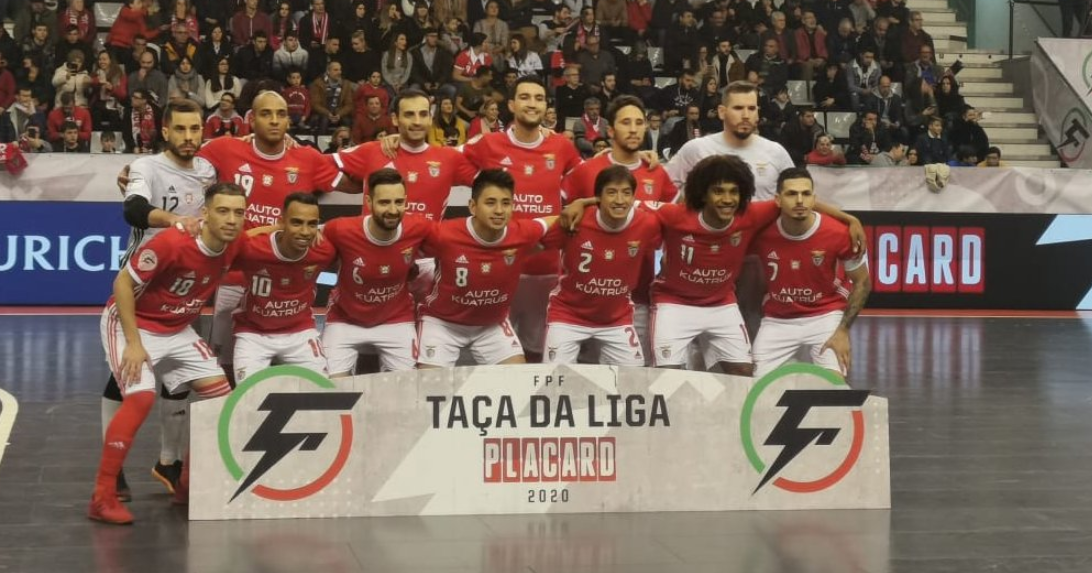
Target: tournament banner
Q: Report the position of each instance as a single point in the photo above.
(1061, 77)
(289, 443)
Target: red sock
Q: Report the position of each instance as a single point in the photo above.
(119, 438)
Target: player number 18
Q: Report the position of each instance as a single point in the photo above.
(181, 287)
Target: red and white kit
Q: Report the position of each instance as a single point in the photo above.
(805, 296)
(275, 321)
(538, 169)
(694, 296)
(175, 274)
(475, 281)
(601, 268)
(371, 306)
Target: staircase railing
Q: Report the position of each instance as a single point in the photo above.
(1035, 8)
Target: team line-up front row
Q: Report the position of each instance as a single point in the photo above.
(418, 290)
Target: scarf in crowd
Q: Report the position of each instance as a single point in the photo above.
(591, 128)
(582, 34)
(450, 129)
(320, 26)
(81, 20)
(144, 126)
(333, 91)
(187, 81)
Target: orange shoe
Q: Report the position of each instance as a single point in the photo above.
(107, 509)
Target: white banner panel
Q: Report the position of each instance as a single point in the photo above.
(536, 439)
(1061, 77)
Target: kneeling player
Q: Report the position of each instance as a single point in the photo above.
(806, 303)
(601, 267)
(372, 308)
(275, 322)
(478, 260)
(147, 331)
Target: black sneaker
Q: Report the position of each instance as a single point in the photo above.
(167, 475)
(124, 493)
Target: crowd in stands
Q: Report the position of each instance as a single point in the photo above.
(340, 64)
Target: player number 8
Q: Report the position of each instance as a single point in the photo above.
(461, 275)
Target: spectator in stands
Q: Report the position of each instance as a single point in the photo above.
(675, 98)
(842, 45)
(586, 27)
(552, 32)
(525, 61)
(220, 83)
(373, 124)
(786, 38)
(361, 60)
(914, 38)
(964, 157)
(331, 52)
(361, 19)
(141, 132)
(886, 49)
(397, 64)
(863, 14)
(71, 41)
(613, 16)
(654, 135)
(432, 66)
(373, 87)
(342, 139)
(108, 142)
(638, 68)
(40, 47)
(893, 156)
(40, 82)
(921, 105)
(249, 21)
(689, 127)
(888, 106)
(331, 100)
(608, 89)
(966, 131)
(68, 112)
(186, 83)
(255, 60)
(866, 138)
(896, 13)
(993, 158)
(469, 61)
(924, 68)
(9, 48)
(39, 13)
(727, 67)
(495, 29)
(418, 24)
(212, 50)
(665, 13)
(830, 13)
(831, 90)
(72, 78)
(289, 56)
(1073, 10)
(299, 100)
(589, 127)
(950, 104)
(283, 25)
(824, 153)
(179, 46)
(811, 46)
(109, 88)
(912, 157)
(77, 14)
(185, 13)
(70, 140)
(639, 15)
(454, 36)
(448, 129)
(863, 79)
(681, 41)
(933, 145)
(549, 120)
(225, 120)
(594, 62)
(212, 13)
(445, 10)
(571, 96)
(7, 84)
(487, 121)
(798, 136)
(17, 117)
(772, 72)
(317, 26)
(147, 77)
(777, 112)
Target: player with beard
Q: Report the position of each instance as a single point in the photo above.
(428, 172)
(371, 308)
(164, 190)
(627, 127)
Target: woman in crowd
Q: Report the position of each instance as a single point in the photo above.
(495, 30)
(185, 13)
(524, 61)
(824, 153)
(215, 47)
(109, 88)
(390, 25)
(220, 82)
(949, 103)
(283, 23)
(73, 78)
(448, 129)
(396, 63)
(185, 83)
(488, 120)
(831, 92)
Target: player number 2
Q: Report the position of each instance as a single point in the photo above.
(261, 286)
(773, 270)
(461, 276)
(181, 287)
(688, 254)
(585, 260)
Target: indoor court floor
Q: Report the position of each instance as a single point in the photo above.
(991, 465)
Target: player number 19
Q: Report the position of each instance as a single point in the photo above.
(245, 181)
(461, 276)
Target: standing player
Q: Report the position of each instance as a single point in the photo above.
(275, 322)
(371, 306)
(479, 260)
(268, 170)
(164, 190)
(601, 267)
(806, 303)
(626, 116)
(147, 333)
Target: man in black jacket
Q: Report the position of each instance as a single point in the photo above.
(255, 60)
(966, 132)
(432, 64)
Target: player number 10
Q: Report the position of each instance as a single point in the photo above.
(261, 286)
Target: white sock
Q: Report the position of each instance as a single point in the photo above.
(107, 409)
(173, 423)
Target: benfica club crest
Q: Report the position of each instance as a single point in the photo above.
(736, 238)
(434, 168)
(267, 180)
(817, 257)
(293, 174)
(634, 248)
(650, 188)
(509, 257)
(309, 271)
(551, 161)
(407, 255)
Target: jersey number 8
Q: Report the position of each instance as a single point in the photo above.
(461, 276)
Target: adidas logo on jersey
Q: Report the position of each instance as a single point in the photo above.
(773, 256)
(359, 262)
(587, 245)
(263, 272)
(245, 168)
(462, 260)
(688, 239)
(506, 161)
(189, 275)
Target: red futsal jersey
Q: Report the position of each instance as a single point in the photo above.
(701, 263)
(600, 268)
(475, 279)
(175, 274)
(268, 179)
(372, 283)
(802, 272)
(280, 291)
(537, 169)
(429, 173)
(652, 184)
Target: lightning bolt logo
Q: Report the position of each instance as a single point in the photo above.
(274, 443)
(793, 438)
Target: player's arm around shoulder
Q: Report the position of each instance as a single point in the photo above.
(856, 230)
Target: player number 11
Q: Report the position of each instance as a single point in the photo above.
(688, 254)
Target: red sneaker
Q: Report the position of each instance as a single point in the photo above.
(107, 509)
(182, 486)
